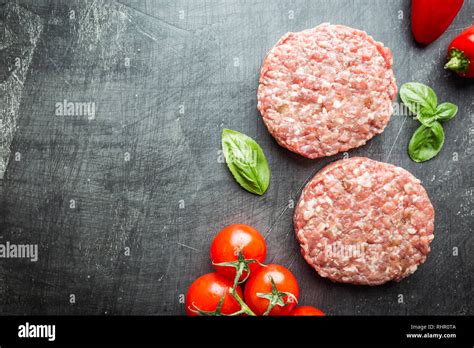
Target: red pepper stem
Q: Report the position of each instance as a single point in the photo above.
(458, 61)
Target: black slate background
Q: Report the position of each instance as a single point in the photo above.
(193, 70)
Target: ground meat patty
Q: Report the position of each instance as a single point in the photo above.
(364, 222)
(326, 90)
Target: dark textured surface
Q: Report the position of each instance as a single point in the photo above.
(193, 70)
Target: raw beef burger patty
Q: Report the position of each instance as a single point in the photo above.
(361, 221)
(326, 90)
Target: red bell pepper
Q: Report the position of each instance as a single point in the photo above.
(430, 18)
(461, 54)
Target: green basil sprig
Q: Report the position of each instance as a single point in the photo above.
(426, 142)
(246, 161)
(419, 98)
(445, 112)
(428, 139)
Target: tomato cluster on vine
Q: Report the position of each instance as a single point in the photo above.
(238, 254)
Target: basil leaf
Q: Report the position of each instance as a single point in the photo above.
(446, 111)
(426, 118)
(426, 142)
(419, 98)
(246, 161)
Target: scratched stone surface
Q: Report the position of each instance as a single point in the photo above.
(19, 33)
(143, 172)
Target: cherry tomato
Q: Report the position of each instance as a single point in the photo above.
(260, 282)
(206, 291)
(227, 243)
(306, 311)
(461, 53)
